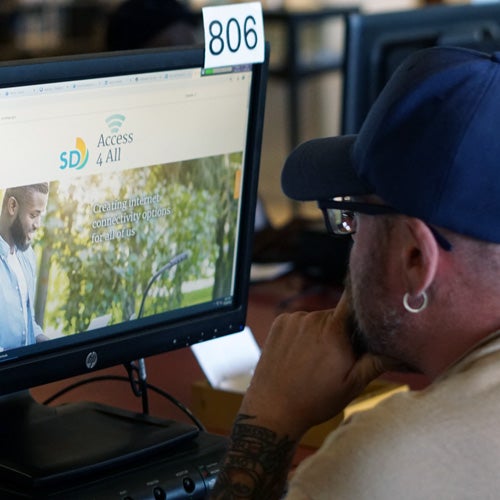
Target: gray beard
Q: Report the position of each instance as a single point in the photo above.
(378, 335)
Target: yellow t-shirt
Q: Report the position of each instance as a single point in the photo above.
(439, 443)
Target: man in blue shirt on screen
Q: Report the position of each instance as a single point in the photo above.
(20, 218)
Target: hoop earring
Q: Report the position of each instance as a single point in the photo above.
(415, 310)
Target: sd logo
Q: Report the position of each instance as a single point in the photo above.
(75, 158)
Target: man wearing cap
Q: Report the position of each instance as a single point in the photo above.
(419, 191)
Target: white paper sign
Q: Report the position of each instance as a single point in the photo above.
(234, 34)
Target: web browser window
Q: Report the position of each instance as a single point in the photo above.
(145, 176)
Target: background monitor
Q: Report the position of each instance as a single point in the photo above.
(376, 44)
(145, 245)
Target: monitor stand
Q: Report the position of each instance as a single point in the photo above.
(42, 445)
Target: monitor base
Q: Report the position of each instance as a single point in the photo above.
(43, 446)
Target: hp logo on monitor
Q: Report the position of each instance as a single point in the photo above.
(91, 360)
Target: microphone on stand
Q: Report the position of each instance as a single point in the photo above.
(139, 384)
(173, 262)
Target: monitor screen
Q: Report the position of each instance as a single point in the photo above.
(376, 44)
(132, 180)
(129, 187)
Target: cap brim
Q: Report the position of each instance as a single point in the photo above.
(322, 169)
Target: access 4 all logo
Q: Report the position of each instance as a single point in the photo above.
(76, 158)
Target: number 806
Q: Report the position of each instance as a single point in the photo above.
(233, 35)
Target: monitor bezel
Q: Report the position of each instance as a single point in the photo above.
(96, 353)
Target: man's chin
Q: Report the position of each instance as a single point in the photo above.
(24, 245)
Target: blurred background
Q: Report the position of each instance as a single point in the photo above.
(36, 28)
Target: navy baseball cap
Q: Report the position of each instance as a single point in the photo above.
(429, 147)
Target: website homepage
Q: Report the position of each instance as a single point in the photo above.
(121, 199)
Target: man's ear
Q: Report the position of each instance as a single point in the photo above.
(420, 256)
(12, 206)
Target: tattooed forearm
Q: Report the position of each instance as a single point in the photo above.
(256, 464)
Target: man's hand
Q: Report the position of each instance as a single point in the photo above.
(307, 373)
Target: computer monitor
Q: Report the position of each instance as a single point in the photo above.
(143, 241)
(375, 44)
